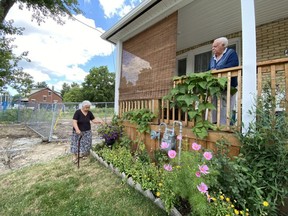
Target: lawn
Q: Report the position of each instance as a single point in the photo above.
(59, 188)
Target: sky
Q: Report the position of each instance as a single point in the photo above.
(66, 53)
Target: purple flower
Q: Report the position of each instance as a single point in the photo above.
(207, 155)
(168, 167)
(196, 147)
(204, 169)
(202, 188)
(179, 137)
(172, 154)
(164, 145)
(198, 174)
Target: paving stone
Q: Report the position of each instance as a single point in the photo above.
(175, 212)
(159, 203)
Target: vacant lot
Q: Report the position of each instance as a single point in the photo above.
(20, 146)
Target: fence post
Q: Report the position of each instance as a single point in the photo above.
(52, 122)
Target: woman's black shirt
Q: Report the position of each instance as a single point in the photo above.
(83, 121)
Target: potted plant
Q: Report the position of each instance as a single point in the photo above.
(110, 133)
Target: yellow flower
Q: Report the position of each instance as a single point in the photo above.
(222, 197)
(247, 210)
(228, 199)
(265, 203)
(227, 215)
(232, 206)
(241, 212)
(178, 167)
(247, 214)
(158, 194)
(236, 211)
(160, 184)
(213, 198)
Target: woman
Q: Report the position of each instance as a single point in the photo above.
(82, 127)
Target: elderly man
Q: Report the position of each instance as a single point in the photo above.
(223, 58)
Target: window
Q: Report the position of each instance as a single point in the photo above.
(49, 93)
(182, 64)
(201, 61)
(44, 97)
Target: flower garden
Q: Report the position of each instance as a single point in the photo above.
(206, 182)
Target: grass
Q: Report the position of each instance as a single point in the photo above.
(59, 188)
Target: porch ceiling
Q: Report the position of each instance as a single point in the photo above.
(204, 20)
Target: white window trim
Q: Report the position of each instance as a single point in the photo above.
(190, 55)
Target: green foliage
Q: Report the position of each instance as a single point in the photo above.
(40, 85)
(141, 118)
(260, 172)
(10, 73)
(99, 85)
(75, 94)
(192, 95)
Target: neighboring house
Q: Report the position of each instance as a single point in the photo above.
(43, 95)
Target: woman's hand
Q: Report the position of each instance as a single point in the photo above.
(96, 121)
(78, 132)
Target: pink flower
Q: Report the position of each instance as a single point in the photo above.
(207, 155)
(204, 169)
(172, 154)
(164, 145)
(196, 147)
(198, 174)
(202, 188)
(179, 137)
(168, 167)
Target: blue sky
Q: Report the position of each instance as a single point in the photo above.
(66, 53)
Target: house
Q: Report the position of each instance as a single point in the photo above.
(161, 39)
(43, 95)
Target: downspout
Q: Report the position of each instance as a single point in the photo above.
(249, 61)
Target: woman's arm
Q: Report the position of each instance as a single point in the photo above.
(75, 126)
(96, 121)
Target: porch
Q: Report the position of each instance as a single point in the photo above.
(272, 72)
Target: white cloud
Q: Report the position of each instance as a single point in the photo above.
(58, 50)
(87, 1)
(118, 8)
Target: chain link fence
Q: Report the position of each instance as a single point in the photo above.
(53, 121)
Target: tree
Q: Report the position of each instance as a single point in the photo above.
(65, 88)
(10, 73)
(75, 94)
(99, 85)
(41, 85)
(42, 9)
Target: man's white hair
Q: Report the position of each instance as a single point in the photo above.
(86, 103)
(223, 40)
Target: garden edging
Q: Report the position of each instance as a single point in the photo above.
(136, 186)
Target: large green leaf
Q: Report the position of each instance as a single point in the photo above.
(192, 114)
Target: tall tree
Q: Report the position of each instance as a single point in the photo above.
(10, 73)
(41, 85)
(65, 88)
(75, 94)
(99, 85)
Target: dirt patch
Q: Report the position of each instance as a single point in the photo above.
(20, 146)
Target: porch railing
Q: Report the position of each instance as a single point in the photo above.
(273, 72)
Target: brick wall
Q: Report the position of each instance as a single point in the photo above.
(148, 61)
(272, 40)
(50, 97)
